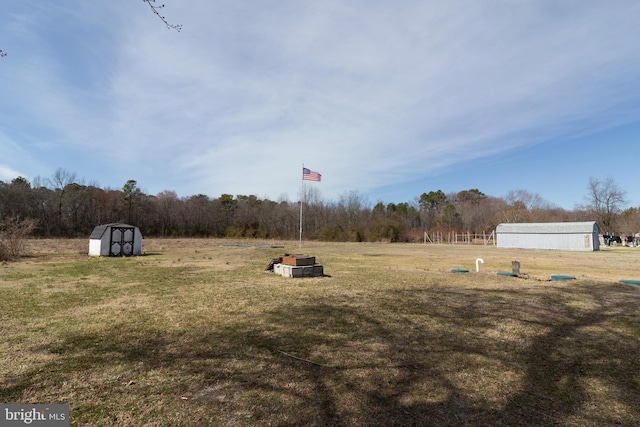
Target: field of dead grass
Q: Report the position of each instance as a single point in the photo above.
(196, 333)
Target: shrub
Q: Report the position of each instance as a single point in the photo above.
(13, 232)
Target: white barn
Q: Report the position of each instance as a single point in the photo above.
(567, 236)
(115, 240)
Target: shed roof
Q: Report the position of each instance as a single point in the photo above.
(548, 227)
(99, 230)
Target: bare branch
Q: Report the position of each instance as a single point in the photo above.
(156, 9)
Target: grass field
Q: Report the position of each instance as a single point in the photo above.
(196, 333)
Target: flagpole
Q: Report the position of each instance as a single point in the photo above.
(301, 195)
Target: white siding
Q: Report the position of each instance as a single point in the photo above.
(570, 236)
(94, 247)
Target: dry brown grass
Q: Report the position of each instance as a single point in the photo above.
(196, 333)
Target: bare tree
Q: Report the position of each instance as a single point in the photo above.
(629, 221)
(478, 216)
(60, 182)
(13, 234)
(167, 204)
(353, 212)
(529, 201)
(605, 199)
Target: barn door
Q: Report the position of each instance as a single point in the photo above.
(121, 241)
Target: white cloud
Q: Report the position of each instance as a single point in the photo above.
(364, 92)
(7, 174)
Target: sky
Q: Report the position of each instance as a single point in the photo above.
(386, 99)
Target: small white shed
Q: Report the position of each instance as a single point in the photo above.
(115, 240)
(567, 236)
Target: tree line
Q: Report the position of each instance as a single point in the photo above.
(63, 206)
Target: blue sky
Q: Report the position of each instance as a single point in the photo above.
(389, 99)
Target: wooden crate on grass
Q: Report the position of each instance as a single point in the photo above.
(298, 260)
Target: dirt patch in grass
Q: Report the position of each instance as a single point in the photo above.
(196, 333)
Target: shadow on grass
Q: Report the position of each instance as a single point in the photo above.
(415, 357)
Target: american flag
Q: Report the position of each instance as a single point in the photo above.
(309, 175)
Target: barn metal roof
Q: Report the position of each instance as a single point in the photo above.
(548, 228)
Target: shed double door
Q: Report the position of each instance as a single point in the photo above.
(121, 241)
